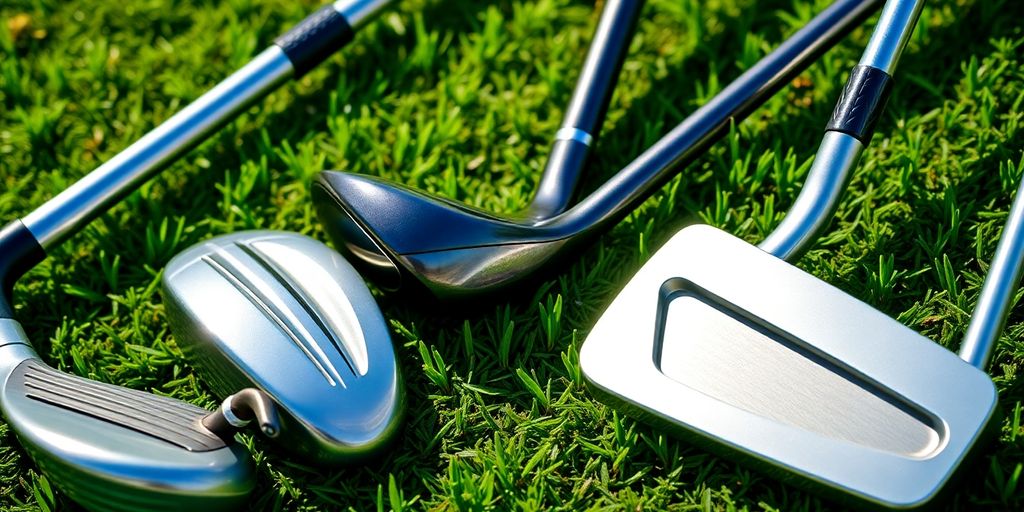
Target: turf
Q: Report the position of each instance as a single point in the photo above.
(460, 97)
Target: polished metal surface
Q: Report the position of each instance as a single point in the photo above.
(95, 193)
(286, 314)
(585, 114)
(570, 133)
(819, 197)
(894, 28)
(825, 356)
(407, 239)
(359, 12)
(14, 347)
(105, 467)
(997, 293)
(356, 225)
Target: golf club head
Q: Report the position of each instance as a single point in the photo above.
(742, 352)
(405, 239)
(285, 314)
(115, 449)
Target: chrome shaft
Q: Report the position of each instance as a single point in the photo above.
(359, 12)
(839, 152)
(80, 203)
(891, 34)
(997, 293)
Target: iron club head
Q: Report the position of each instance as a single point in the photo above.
(406, 239)
(112, 448)
(453, 251)
(285, 314)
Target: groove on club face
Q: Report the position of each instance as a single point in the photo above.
(825, 356)
(256, 292)
(285, 314)
(116, 449)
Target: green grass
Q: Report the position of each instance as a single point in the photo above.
(460, 97)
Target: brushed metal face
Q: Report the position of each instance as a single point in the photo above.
(286, 314)
(739, 363)
(744, 353)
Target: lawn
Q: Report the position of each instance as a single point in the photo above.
(461, 98)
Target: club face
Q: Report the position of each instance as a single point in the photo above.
(115, 449)
(405, 239)
(285, 314)
(747, 354)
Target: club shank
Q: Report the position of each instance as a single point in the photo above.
(312, 41)
(997, 293)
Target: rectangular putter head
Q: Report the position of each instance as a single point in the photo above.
(740, 351)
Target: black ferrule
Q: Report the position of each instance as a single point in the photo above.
(862, 103)
(19, 252)
(315, 38)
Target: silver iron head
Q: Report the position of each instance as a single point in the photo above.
(285, 314)
(115, 449)
(741, 351)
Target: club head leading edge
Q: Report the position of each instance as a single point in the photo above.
(285, 314)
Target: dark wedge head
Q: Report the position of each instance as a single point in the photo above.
(407, 239)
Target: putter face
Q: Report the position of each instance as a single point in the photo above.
(116, 449)
(285, 314)
(738, 350)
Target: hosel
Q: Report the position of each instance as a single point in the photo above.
(586, 111)
(242, 408)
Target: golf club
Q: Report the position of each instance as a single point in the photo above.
(731, 347)
(410, 240)
(288, 304)
(286, 314)
(569, 152)
(110, 448)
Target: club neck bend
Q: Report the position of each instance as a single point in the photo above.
(848, 132)
(706, 125)
(586, 111)
(811, 212)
